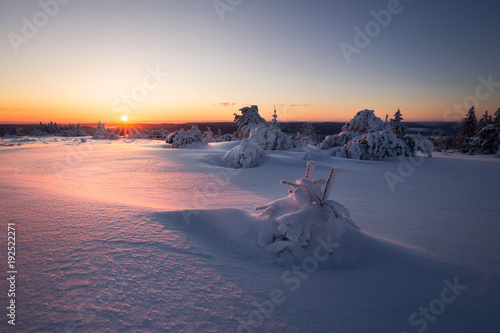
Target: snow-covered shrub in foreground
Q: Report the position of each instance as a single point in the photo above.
(296, 225)
(417, 142)
(271, 138)
(245, 155)
(181, 138)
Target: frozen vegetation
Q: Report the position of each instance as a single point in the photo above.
(182, 138)
(245, 155)
(298, 224)
(367, 137)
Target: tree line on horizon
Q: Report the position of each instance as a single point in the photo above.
(471, 136)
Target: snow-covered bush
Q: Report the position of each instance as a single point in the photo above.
(271, 138)
(486, 141)
(227, 137)
(248, 120)
(338, 152)
(417, 142)
(245, 155)
(102, 133)
(338, 140)
(365, 121)
(305, 219)
(375, 146)
(181, 138)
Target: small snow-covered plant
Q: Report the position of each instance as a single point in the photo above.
(245, 155)
(181, 138)
(295, 225)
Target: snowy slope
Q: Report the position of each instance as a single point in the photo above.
(126, 236)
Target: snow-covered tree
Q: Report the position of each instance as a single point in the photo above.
(270, 138)
(417, 142)
(496, 120)
(367, 137)
(248, 120)
(484, 121)
(339, 140)
(307, 135)
(208, 136)
(181, 138)
(295, 225)
(467, 130)
(486, 141)
(375, 146)
(397, 126)
(12, 130)
(2, 130)
(100, 132)
(364, 121)
(274, 122)
(245, 155)
(227, 137)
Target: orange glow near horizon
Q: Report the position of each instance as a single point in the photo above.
(214, 113)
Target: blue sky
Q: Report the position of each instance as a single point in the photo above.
(427, 59)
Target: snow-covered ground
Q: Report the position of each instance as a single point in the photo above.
(136, 236)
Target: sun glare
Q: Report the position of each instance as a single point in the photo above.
(124, 118)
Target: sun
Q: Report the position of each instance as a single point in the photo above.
(124, 118)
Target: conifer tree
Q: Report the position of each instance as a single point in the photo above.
(484, 121)
(467, 130)
(397, 126)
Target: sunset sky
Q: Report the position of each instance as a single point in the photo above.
(194, 60)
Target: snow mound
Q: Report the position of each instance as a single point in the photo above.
(306, 226)
(245, 155)
(181, 138)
